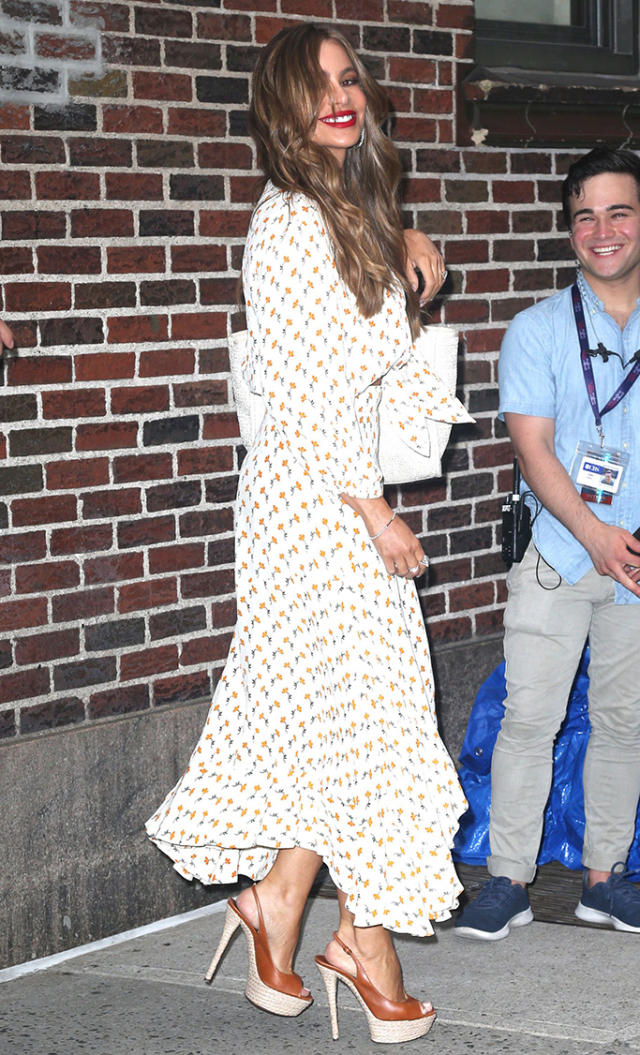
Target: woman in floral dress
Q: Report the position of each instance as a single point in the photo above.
(321, 743)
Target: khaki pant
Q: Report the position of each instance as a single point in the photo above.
(545, 631)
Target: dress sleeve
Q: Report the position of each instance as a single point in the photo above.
(298, 330)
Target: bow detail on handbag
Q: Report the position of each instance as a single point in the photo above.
(416, 411)
(418, 407)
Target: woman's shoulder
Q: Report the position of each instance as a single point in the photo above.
(285, 213)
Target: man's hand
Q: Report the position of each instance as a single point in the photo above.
(611, 549)
(422, 254)
(608, 546)
(6, 337)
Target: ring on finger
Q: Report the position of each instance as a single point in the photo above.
(412, 571)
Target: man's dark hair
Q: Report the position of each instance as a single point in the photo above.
(597, 161)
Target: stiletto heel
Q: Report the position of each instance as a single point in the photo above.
(330, 979)
(267, 987)
(231, 924)
(390, 1021)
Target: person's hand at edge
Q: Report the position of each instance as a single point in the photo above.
(422, 254)
(7, 339)
(614, 552)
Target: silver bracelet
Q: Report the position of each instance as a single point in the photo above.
(382, 530)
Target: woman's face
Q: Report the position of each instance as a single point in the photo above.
(341, 115)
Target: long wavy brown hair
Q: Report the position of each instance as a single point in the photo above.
(358, 201)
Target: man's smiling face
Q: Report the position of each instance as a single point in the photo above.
(605, 227)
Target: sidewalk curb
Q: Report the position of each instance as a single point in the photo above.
(45, 962)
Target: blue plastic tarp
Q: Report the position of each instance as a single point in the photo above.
(564, 815)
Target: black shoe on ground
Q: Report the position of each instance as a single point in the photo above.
(616, 901)
(500, 905)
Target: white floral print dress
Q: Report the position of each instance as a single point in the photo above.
(322, 730)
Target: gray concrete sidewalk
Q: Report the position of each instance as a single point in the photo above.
(546, 990)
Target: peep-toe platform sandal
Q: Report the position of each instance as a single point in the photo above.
(267, 987)
(390, 1021)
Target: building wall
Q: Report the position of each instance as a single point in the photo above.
(127, 179)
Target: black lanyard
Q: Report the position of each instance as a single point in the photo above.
(589, 380)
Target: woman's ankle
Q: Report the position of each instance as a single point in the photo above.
(375, 955)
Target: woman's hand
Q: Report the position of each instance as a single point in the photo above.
(394, 540)
(401, 551)
(6, 337)
(422, 254)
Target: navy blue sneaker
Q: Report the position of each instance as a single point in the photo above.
(500, 905)
(616, 901)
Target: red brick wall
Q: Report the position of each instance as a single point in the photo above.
(123, 218)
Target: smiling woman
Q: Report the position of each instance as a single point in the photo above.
(351, 172)
(321, 743)
(342, 111)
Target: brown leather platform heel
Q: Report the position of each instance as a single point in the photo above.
(267, 987)
(390, 1021)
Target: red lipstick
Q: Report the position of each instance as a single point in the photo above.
(340, 119)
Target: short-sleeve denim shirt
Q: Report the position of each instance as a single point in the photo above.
(540, 374)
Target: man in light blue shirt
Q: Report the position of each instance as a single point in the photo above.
(569, 376)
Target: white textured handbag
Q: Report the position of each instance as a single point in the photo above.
(417, 405)
(250, 407)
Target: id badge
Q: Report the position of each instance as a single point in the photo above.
(598, 472)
